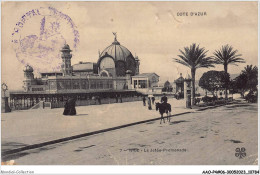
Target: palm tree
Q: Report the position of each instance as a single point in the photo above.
(250, 70)
(227, 55)
(194, 57)
(251, 73)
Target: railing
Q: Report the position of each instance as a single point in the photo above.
(60, 104)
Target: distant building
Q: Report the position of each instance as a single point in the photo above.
(146, 82)
(179, 85)
(167, 87)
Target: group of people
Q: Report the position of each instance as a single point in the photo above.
(97, 99)
(120, 98)
(151, 101)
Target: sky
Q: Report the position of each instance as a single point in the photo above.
(154, 31)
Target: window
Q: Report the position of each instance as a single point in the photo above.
(153, 79)
(142, 84)
(93, 85)
(75, 84)
(83, 84)
(104, 74)
(37, 89)
(110, 84)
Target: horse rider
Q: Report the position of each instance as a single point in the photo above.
(164, 99)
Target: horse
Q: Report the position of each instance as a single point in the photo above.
(164, 108)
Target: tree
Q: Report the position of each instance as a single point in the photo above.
(194, 57)
(227, 55)
(214, 80)
(252, 74)
(241, 84)
(247, 80)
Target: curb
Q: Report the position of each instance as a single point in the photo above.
(34, 146)
(212, 107)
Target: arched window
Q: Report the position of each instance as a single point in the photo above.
(104, 74)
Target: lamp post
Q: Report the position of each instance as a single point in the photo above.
(5, 106)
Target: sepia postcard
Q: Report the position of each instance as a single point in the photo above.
(129, 83)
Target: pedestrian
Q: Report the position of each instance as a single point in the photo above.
(72, 106)
(95, 99)
(99, 100)
(66, 108)
(144, 101)
(153, 100)
(149, 104)
(121, 100)
(116, 99)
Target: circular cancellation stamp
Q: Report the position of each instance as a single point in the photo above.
(39, 36)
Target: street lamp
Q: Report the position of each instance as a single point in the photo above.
(5, 106)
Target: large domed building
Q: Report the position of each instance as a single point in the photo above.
(116, 73)
(112, 71)
(116, 59)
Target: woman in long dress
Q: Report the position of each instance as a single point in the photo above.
(66, 108)
(72, 108)
(149, 103)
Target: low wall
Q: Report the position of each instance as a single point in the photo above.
(95, 102)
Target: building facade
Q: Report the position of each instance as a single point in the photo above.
(146, 83)
(113, 71)
(116, 72)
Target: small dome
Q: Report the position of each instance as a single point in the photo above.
(66, 47)
(28, 69)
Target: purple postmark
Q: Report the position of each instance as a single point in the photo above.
(39, 36)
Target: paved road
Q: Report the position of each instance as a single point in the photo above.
(22, 128)
(202, 138)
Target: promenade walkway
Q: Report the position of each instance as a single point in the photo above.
(22, 128)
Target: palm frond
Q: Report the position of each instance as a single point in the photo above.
(181, 62)
(227, 55)
(195, 57)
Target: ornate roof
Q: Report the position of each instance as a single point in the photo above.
(117, 51)
(28, 69)
(66, 47)
(180, 79)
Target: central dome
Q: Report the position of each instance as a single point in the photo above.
(117, 51)
(116, 60)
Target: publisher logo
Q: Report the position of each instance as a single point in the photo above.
(240, 153)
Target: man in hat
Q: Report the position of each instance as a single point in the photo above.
(164, 99)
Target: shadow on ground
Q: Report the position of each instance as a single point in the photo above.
(177, 122)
